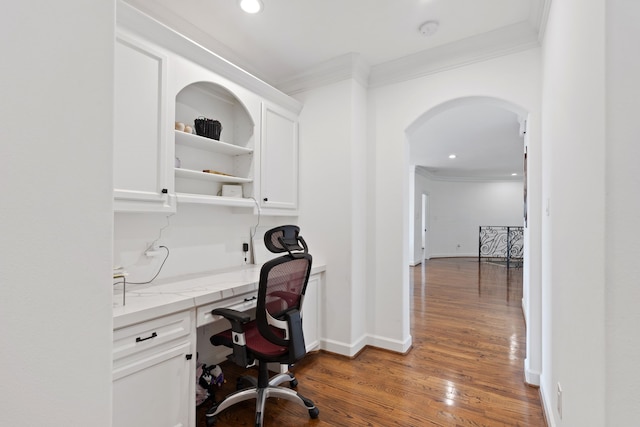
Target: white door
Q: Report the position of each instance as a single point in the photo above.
(425, 222)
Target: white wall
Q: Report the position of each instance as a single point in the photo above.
(55, 259)
(573, 135)
(622, 389)
(514, 79)
(332, 205)
(199, 239)
(457, 209)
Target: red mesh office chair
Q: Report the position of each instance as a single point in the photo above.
(276, 333)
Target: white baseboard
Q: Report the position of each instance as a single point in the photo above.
(390, 344)
(343, 348)
(548, 408)
(351, 350)
(454, 255)
(531, 377)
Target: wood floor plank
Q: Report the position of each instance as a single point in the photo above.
(465, 368)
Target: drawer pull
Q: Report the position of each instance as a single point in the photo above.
(153, 335)
(251, 299)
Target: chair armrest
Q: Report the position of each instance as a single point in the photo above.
(237, 320)
(235, 317)
(231, 314)
(297, 347)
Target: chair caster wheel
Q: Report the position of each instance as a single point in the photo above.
(293, 383)
(211, 421)
(313, 413)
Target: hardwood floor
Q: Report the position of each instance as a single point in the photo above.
(465, 367)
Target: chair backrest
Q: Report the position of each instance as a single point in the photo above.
(285, 238)
(283, 282)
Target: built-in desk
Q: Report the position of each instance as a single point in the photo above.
(155, 340)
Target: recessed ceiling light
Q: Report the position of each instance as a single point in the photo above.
(429, 28)
(514, 174)
(251, 6)
(452, 156)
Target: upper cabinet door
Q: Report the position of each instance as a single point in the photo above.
(141, 181)
(279, 161)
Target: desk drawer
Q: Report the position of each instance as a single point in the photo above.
(147, 335)
(242, 302)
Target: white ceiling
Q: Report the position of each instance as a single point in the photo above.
(484, 138)
(292, 37)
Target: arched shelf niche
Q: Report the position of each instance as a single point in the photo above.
(209, 171)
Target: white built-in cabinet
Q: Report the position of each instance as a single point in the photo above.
(279, 160)
(154, 372)
(141, 176)
(229, 160)
(157, 168)
(310, 313)
(154, 360)
(162, 78)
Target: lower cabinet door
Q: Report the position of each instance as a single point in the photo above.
(155, 390)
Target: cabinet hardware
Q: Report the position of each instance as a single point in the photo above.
(250, 299)
(266, 199)
(153, 335)
(165, 191)
(188, 356)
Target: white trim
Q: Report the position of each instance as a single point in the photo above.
(474, 177)
(454, 255)
(350, 350)
(504, 41)
(531, 377)
(348, 66)
(547, 408)
(137, 22)
(540, 16)
(390, 344)
(342, 348)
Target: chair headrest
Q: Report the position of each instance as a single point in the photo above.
(285, 238)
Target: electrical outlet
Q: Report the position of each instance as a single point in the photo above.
(245, 249)
(153, 251)
(559, 400)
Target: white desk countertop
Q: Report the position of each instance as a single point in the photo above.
(166, 296)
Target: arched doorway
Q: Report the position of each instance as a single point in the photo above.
(531, 289)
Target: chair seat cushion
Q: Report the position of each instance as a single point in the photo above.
(256, 343)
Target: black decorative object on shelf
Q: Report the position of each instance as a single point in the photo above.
(208, 128)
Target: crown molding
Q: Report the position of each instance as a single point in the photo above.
(136, 21)
(504, 41)
(348, 66)
(467, 177)
(539, 17)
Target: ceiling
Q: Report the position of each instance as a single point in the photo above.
(484, 138)
(292, 38)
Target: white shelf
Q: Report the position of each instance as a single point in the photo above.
(204, 176)
(202, 143)
(215, 200)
